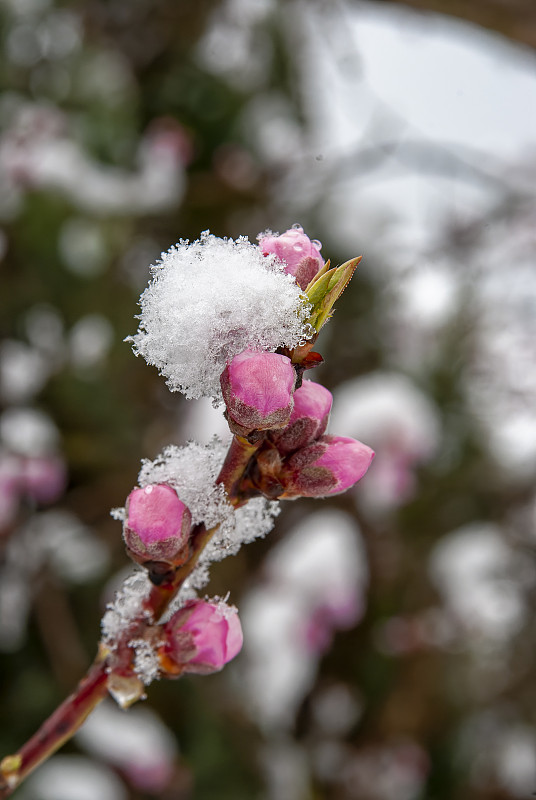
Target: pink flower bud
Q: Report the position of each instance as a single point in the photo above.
(294, 248)
(257, 389)
(157, 526)
(309, 418)
(328, 466)
(201, 637)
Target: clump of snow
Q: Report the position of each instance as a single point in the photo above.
(192, 471)
(146, 663)
(208, 301)
(250, 522)
(127, 605)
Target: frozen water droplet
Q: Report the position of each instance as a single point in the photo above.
(125, 690)
(297, 227)
(317, 244)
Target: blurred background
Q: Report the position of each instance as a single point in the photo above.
(390, 635)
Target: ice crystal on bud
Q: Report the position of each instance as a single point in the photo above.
(208, 301)
(192, 471)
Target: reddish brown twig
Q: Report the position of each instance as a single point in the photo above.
(114, 666)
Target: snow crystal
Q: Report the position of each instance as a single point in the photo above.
(125, 607)
(146, 663)
(251, 521)
(119, 514)
(248, 523)
(192, 471)
(226, 609)
(207, 302)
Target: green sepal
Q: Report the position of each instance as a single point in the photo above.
(326, 288)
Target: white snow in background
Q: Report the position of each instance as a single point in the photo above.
(73, 778)
(83, 247)
(388, 412)
(481, 579)
(136, 741)
(390, 75)
(382, 406)
(23, 371)
(500, 376)
(516, 760)
(90, 340)
(320, 560)
(69, 546)
(207, 302)
(28, 432)
(450, 78)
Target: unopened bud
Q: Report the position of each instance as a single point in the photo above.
(309, 418)
(157, 526)
(328, 466)
(300, 255)
(257, 389)
(202, 637)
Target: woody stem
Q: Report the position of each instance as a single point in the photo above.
(70, 715)
(57, 729)
(234, 468)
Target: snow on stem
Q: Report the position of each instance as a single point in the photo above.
(101, 677)
(256, 342)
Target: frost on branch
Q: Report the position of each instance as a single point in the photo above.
(192, 471)
(127, 605)
(207, 302)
